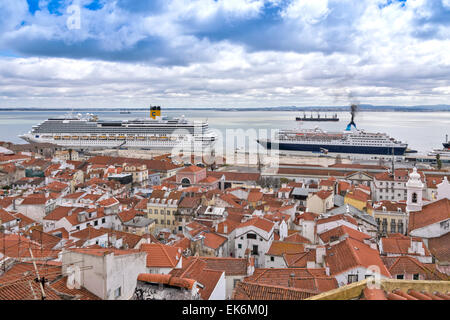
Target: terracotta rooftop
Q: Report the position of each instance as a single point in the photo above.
(408, 265)
(440, 247)
(336, 233)
(282, 276)
(350, 254)
(15, 284)
(167, 279)
(196, 269)
(399, 244)
(338, 217)
(213, 241)
(323, 194)
(161, 256)
(296, 237)
(256, 291)
(257, 222)
(88, 234)
(231, 266)
(431, 213)
(300, 259)
(278, 248)
(108, 202)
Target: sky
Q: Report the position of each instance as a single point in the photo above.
(223, 53)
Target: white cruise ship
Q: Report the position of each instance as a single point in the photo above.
(155, 132)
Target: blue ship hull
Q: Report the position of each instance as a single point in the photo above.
(398, 151)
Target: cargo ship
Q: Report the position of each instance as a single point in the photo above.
(318, 118)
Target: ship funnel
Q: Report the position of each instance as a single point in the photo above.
(353, 111)
(155, 112)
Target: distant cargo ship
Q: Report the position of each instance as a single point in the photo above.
(318, 118)
(154, 133)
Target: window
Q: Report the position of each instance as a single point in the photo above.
(255, 250)
(393, 226)
(235, 282)
(156, 211)
(384, 226)
(272, 258)
(400, 276)
(251, 236)
(118, 292)
(103, 220)
(239, 246)
(78, 227)
(400, 226)
(95, 222)
(242, 238)
(414, 198)
(150, 211)
(168, 222)
(352, 278)
(416, 276)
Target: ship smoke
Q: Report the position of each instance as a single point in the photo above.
(353, 111)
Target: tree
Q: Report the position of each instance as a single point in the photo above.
(438, 161)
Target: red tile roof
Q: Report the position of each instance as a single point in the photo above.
(440, 247)
(5, 216)
(88, 234)
(167, 279)
(336, 233)
(161, 256)
(195, 268)
(409, 265)
(191, 168)
(431, 213)
(256, 291)
(315, 284)
(213, 240)
(338, 217)
(300, 259)
(260, 223)
(33, 201)
(296, 237)
(399, 244)
(282, 276)
(104, 251)
(278, 248)
(128, 215)
(323, 194)
(349, 254)
(231, 266)
(108, 202)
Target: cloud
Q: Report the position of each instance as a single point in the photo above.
(237, 52)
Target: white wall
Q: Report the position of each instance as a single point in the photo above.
(433, 230)
(277, 263)
(219, 292)
(108, 272)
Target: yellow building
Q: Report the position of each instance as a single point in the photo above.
(357, 200)
(162, 207)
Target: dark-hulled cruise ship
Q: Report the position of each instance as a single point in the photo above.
(155, 132)
(347, 142)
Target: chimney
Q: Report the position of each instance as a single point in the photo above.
(225, 228)
(81, 216)
(320, 254)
